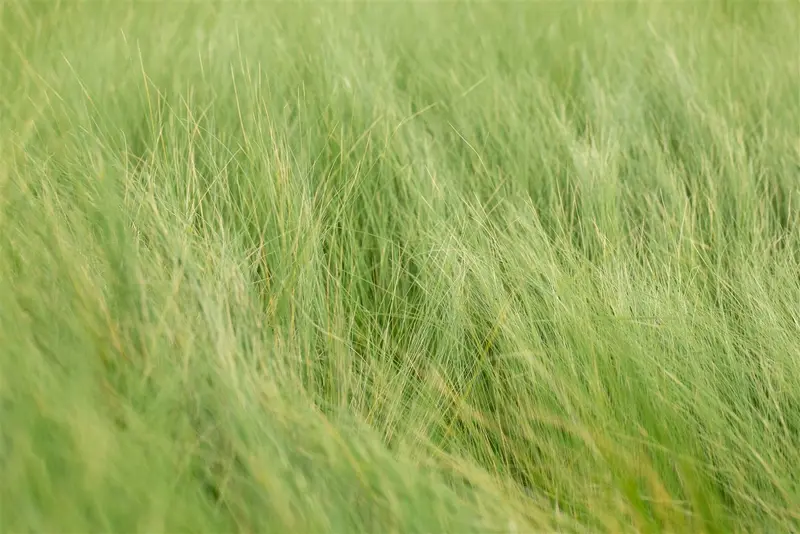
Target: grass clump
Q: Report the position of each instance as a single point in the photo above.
(400, 267)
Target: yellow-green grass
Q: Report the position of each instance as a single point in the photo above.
(399, 267)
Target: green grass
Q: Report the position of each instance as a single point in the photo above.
(399, 267)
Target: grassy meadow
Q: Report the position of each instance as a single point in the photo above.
(399, 267)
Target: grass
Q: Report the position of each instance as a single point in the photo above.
(399, 267)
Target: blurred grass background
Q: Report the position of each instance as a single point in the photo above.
(399, 267)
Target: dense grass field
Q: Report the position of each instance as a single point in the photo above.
(399, 267)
